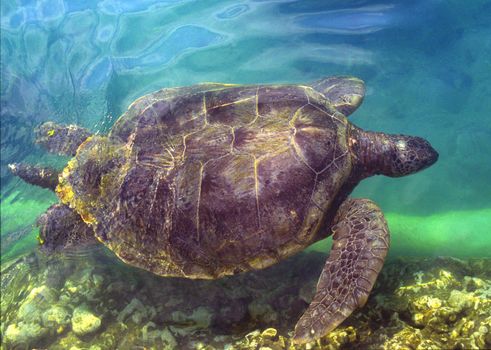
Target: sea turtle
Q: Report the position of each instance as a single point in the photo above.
(216, 179)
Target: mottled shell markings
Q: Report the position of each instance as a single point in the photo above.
(188, 149)
(258, 138)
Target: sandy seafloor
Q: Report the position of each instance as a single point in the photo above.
(426, 65)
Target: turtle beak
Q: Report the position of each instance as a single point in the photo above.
(431, 155)
(411, 154)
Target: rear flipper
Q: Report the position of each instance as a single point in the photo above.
(35, 175)
(61, 139)
(361, 241)
(61, 229)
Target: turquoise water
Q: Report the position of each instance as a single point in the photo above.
(426, 65)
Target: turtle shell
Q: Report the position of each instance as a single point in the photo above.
(212, 180)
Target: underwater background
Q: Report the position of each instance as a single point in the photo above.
(427, 69)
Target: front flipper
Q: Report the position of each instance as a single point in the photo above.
(360, 244)
(61, 229)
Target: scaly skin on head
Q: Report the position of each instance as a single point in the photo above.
(377, 153)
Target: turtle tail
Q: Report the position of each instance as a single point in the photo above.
(61, 139)
(36, 175)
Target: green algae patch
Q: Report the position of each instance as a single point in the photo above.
(454, 233)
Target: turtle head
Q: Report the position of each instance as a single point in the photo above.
(378, 153)
(409, 155)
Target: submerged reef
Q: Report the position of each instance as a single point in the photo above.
(89, 300)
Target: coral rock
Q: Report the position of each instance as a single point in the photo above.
(24, 334)
(84, 322)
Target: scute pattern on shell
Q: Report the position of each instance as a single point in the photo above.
(221, 179)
